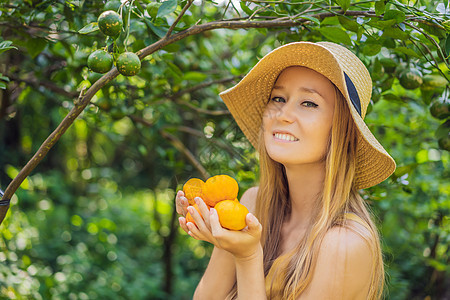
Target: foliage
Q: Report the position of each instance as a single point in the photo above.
(96, 218)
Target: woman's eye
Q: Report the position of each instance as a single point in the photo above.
(278, 99)
(309, 104)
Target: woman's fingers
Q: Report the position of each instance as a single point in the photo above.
(181, 203)
(216, 228)
(204, 211)
(182, 221)
(253, 226)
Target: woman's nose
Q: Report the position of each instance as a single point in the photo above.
(285, 113)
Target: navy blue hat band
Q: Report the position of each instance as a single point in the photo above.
(353, 93)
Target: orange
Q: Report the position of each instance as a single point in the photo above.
(193, 188)
(219, 188)
(189, 218)
(231, 214)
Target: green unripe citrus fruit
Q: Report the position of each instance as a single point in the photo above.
(100, 61)
(128, 64)
(112, 5)
(410, 79)
(440, 110)
(110, 23)
(434, 83)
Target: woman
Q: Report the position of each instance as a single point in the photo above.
(309, 233)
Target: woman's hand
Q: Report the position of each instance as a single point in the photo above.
(242, 244)
(181, 203)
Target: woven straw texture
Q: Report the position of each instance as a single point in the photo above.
(246, 100)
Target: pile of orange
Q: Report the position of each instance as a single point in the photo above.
(220, 192)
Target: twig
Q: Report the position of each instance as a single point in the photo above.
(48, 84)
(205, 111)
(200, 86)
(258, 10)
(183, 11)
(180, 147)
(433, 41)
(200, 134)
(436, 63)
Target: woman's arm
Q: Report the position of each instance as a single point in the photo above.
(219, 277)
(250, 270)
(343, 269)
(236, 255)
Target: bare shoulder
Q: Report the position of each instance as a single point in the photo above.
(345, 242)
(344, 266)
(249, 198)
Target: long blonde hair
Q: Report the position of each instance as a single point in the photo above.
(338, 197)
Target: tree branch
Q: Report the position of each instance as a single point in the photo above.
(180, 147)
(48, 84)
(185, 8)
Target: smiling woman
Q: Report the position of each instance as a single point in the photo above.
(297, 119)
(309, 234)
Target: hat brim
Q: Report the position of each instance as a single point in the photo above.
(247, 100)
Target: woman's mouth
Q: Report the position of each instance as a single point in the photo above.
(285, 137)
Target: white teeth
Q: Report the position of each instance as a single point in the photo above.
(286, 137)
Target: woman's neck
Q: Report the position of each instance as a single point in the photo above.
(305, 185)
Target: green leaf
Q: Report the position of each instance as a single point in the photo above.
(407, 51)
(195, 76)
(380, 7)
(330, 21)
(381, 24)
(175, 70)
(395, 33)
(394, 14)
(35, 46)
(157, 30)
(167, 7)
(91, 27)
(391, 97)
(443, 130)
(312, 19)
(349, 24)
(345, 4)
(4, 78)
(245, 8)
(152, 9)
(371, 49)
(6, 45)
(2, 85)
(335, 34)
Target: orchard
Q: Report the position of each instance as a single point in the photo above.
(107, 108)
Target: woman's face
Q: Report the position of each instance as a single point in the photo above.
(297, 119)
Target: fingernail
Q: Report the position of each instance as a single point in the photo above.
(252, 218)
(190, 209)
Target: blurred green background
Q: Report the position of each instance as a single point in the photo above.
(96, 219)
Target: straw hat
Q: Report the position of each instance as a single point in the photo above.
(246, 100)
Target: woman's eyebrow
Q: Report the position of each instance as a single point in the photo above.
(301, 89)
(278, 87)
(309, 90)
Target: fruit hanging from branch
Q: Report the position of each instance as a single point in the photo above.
(100, 61)
(110, 23)
(128, 64)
